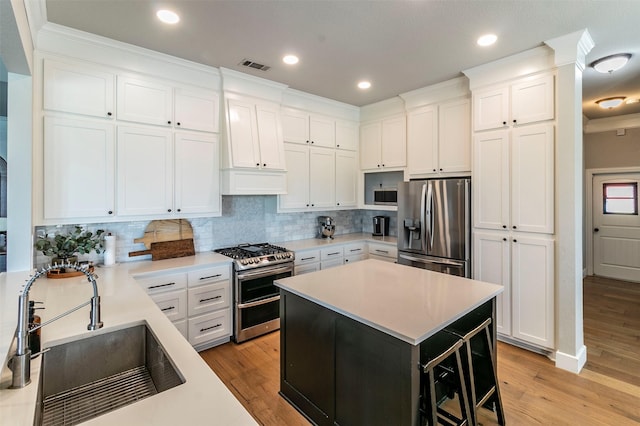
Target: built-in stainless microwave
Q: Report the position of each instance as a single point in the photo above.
(385, 196)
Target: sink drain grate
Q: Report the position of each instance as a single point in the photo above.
(94, 399)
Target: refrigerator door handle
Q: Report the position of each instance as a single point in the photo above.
(435, 262)
(430, 217)
(423, 231)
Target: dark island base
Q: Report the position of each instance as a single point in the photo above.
(337, 371)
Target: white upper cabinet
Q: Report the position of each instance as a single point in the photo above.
(78, 88)
(526, 100)
(439, 139)
(491, 180)
(297, 196)
(145, 101)
(346, 135)
(383, 143)
(422, 140)
(313, 129)
(322, 177)
(197, 109)
(158, 102)
(346, 178)
(78, 168)
(197, 173)
(145, 171)
(254, 135)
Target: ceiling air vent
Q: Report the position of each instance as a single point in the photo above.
(251, 64)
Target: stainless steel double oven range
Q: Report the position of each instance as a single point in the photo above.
(256, 300)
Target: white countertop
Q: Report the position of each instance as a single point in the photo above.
(202, 399)
(312, 243)
(408, 303)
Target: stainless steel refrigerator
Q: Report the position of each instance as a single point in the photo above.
(434, 225)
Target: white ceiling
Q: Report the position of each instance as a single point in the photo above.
(398, 45)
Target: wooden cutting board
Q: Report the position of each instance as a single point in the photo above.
(165, 230)
(168, 249)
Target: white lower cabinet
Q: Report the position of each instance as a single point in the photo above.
(331, 257)
(524, 265)
(355, 252)
(381, 251)
(306, 261)
(196, 301)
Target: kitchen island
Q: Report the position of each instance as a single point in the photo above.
(351, 336)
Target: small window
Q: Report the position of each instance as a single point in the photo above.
(620, 198)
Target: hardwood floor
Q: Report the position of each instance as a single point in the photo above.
(534, 391)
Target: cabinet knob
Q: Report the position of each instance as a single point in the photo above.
(440, 169)
(109, 114)
(434, 170)
(378, 165)
(514, 227)
(169, 210)
(338, 146)
(110, 212)
(383, 165)
(169, 122)
(178, 123)
(504, 239)
(264, 164)
(257, 164)
(307, 205)
(515, 241)
(312, 205)
(596, 229)
(504, 226)
(504, 123)
(312, 142)
(179, 210)
(515, 121)
(338, 204)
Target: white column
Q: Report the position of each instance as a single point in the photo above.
(570, 51)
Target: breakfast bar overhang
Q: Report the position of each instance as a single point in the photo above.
(351, 336)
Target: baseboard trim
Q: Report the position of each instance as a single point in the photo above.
(572, 363)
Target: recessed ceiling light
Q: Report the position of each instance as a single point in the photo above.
(290, 59)
(612, 63)
(364, 85)
(167, 16)
(487, 40)
(609, 103)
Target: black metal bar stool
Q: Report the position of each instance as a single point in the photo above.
(480, 366)
(441, 361)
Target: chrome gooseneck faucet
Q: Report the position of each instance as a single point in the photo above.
(20, 363)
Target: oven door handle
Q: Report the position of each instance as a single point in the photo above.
(271, 271)
(258, 302)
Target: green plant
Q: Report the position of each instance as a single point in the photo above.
(76, 242)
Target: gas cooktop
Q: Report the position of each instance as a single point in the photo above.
(248, 256)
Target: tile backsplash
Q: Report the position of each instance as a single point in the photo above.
(245, 219)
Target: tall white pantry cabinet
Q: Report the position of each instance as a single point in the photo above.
(513, 204)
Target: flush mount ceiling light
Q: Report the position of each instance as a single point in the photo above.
(290, 59)
(364, 85)
(612, 63)
(167, 16)
(487, 40)
(609, 103)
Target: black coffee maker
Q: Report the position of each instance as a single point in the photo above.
(380, 226)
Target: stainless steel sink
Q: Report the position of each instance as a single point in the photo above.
(86, 378)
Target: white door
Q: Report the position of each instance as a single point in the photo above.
(144, 101)
(322, 177)
(297, 158)
(616, 226)
(197, 173)
(422, 140)
(322, 131)
(197, 109)
(270, 138)
(394, 142)
(370, 145)
(245, 151)
(454, 147)
(346, 178)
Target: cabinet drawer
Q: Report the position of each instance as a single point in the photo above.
(326, 264)
(182, 328)
(355, 249)
(205, 328)
(331, 253)
(355, 258)
(209, 275)
(161, 283)
(208, 298)
(306, 268)
(307, 256)
(384, 250)
(173, 304)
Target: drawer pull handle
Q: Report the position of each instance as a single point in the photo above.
(161, 285)
(333, 254)
(211, 276)
(308, 258)
(202, 330)
(210, 298)
(352, 250)
(168, 308)
(382, 251)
